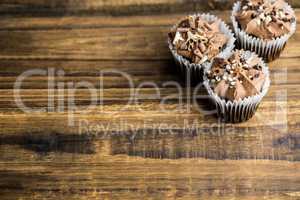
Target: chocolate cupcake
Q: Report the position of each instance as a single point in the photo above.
(263, 26)
(237, 85)
(196, 40)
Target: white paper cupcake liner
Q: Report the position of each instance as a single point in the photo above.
(268, 49)
(195, 71)
(243, 109)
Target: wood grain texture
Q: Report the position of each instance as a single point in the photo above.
(135, 178)
(102, 43)
(138, 151)
(115, 7)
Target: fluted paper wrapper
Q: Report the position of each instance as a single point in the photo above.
(241, 110)
(268, 49)
(195, 71)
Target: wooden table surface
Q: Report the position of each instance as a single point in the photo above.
(138, 151)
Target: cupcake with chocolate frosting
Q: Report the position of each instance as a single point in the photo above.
(196, 40)
(263, 26)
(237, 85)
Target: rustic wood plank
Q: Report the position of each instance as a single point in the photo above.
(94, 72)
(73, 22)
(144, 179)
(103, 7)
(40, 159)
(39, 97)
(116, 87)
(11, 68)
(137, 115)
(98, 38)
(81, 22)
(137, 43)
(116, 7)
(158, 72)
(183, 136)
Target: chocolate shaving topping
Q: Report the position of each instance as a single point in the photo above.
(266, 19)
(236, 78)
(198, 40)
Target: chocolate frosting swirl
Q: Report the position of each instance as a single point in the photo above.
(198, 40)
(266, 19)
(236, 78)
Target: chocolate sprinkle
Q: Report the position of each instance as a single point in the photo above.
(242, 75)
